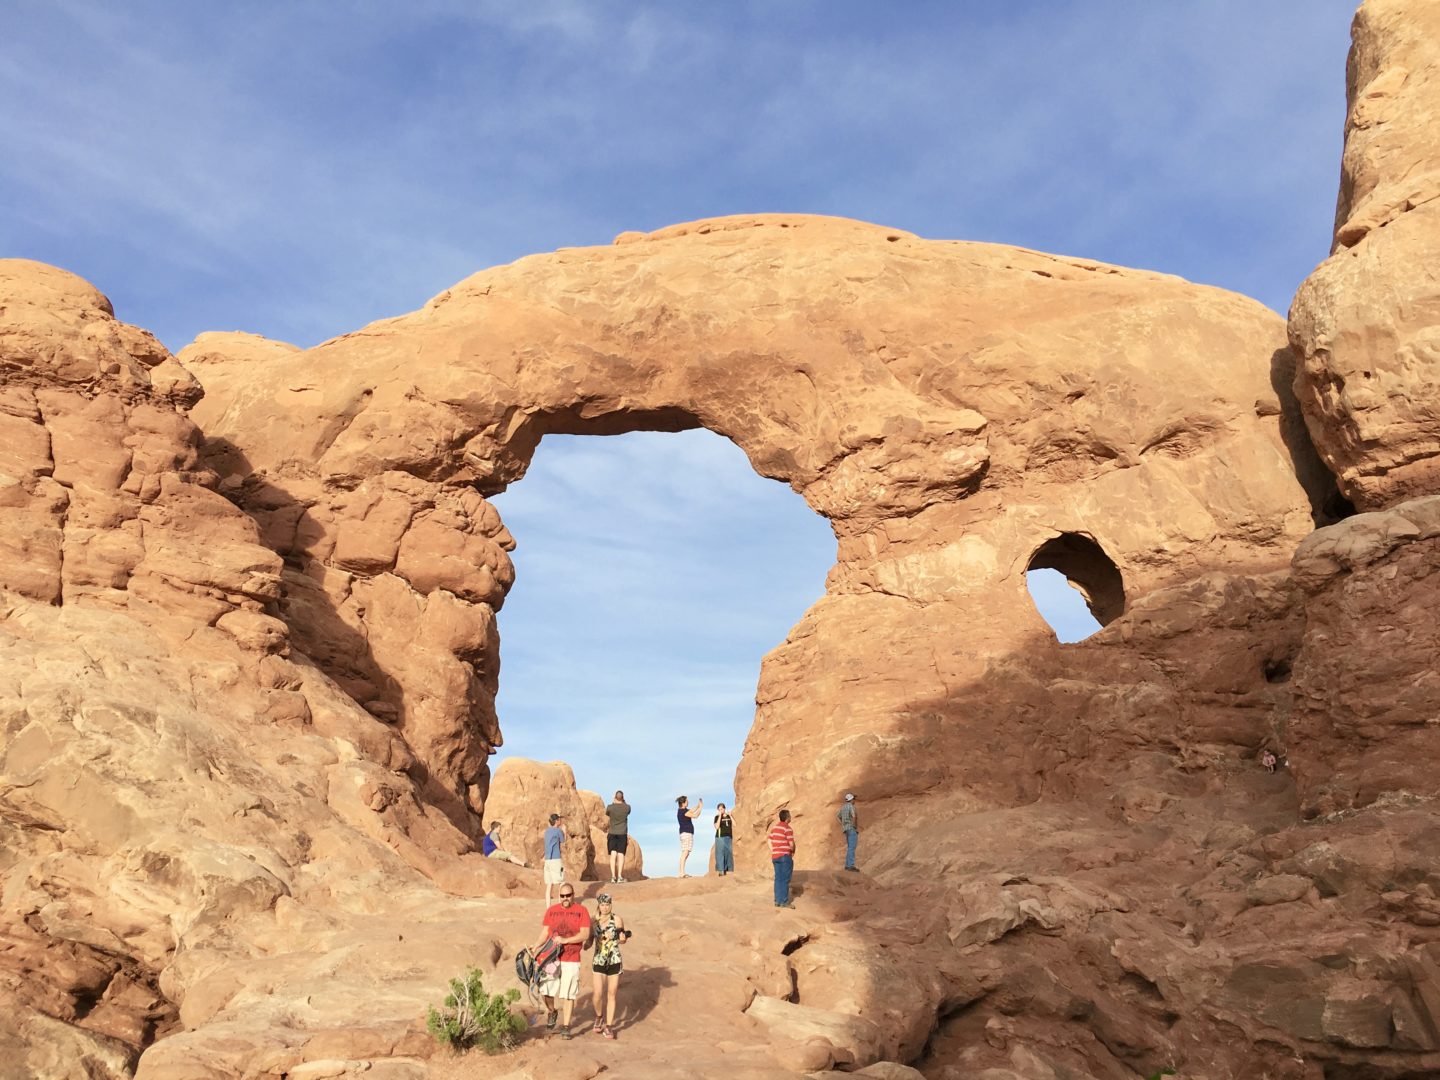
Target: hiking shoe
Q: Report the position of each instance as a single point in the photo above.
(567, 1034)
(619, 881)
(786, 904)
(609, 1033)
(552, 1019)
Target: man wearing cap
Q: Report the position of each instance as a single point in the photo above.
(846, 814)
(569, 924)
(554, 868)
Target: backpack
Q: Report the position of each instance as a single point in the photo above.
(534, 968)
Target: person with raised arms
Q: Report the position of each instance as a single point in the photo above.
(686, 819)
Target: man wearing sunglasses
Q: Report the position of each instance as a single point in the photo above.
(569, 924)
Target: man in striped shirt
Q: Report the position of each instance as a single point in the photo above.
(782, 857)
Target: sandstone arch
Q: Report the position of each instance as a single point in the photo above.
(911, 391)
(1085, 565)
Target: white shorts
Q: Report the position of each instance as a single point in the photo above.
(566, 983)
(687, 841)
(554, 872)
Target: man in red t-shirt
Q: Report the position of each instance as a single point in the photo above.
(782, 857)
(569, 924)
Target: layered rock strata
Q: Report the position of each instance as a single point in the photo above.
(1365, 323)
(250, 657)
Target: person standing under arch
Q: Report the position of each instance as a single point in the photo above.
(617, 836)
(569, 924)
(610, 932)
(782, 857)
(724, 841)
(685, 817)
(851, 826)
(553, 864)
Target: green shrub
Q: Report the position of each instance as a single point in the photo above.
(471, 1017)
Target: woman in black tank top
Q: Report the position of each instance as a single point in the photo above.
(724, 841)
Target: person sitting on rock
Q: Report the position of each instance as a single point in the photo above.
(610, 932)
(569, 924)
(493, 848)
(554, 868)
(686, 819)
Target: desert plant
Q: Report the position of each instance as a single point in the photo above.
(471, 1017)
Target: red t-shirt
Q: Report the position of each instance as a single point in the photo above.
(782, 840)
(567, 922)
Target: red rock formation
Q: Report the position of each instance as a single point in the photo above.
(1364, 324)
(525, 793)
(246, 697)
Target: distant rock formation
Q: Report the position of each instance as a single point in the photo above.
(249, 657)
(525, 793)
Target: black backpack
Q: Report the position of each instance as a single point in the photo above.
(533, 968)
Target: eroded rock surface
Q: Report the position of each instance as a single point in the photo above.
(250, 654)
(1366, 324)
(909, 390)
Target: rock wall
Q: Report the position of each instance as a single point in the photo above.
(1364, 324)
(171, 776)
(959, 413)
(246, 697)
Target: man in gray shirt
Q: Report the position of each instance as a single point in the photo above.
(617, 836)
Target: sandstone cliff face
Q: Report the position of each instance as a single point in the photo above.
(246, 697)
(170, 773)
(1364, 324)
(959, 412)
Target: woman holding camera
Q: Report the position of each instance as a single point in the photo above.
(609, 933)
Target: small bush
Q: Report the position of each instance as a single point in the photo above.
(471, 1017)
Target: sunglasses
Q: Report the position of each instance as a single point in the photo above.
(567, 896)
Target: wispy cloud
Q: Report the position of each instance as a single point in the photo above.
(653, 573)
(301, 169)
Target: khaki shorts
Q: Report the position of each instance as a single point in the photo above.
(566, 983)
(554, 872)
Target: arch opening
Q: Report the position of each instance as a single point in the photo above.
(653, 572)
(1075, 586)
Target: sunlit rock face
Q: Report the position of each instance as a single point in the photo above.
(956, 411)
(172, 774)
(1366, 323)
(250, 654)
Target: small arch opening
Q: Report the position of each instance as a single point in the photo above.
(1075, 586)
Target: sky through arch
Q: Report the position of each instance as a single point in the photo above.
(653, 573)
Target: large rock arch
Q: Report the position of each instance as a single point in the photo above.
(949, 408)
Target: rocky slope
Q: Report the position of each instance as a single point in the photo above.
(251, 653)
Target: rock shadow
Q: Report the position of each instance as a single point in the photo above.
(1327, 504)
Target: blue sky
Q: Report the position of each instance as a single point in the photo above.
(298, 170)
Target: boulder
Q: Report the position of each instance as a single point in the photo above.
(1365, 325)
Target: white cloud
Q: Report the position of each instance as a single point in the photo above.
(299, 170)
(653, 573)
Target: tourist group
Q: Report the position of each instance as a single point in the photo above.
(552, 964)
